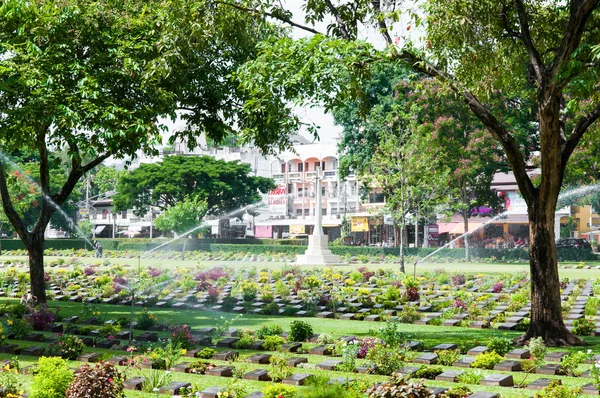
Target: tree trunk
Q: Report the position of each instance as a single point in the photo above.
(466, 237)
(402, 269)
(35, 250)
(546, 312)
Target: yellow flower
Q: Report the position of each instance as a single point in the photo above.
(183, 351)
(10, 322)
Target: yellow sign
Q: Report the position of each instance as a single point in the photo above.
(296, 229)
(360, 224)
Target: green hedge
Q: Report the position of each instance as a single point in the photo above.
(254, 246)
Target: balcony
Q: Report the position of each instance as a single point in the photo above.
(330, 175)
(310, 175)
(279, 177)
(295, 176)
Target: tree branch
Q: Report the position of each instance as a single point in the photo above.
(501, 135)
(338, 18)
(578, 16)
(274, 16)
(381, 22)
(525, 35)
(8, 208)
(577, 133)
(95, 162)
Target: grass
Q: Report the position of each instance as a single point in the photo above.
(430, 335)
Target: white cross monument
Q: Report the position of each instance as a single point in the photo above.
(318, 252)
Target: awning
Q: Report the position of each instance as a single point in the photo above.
(99, 229)
(445, 227)
(459, 229)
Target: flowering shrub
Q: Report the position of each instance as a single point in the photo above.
(103, 380)
(200, 367)
(213, 295)
(365, 345)
(458, 280)
(66, 346)
(385, 360)
(556, 390)
(182, 336)
(459, 304)
(89, 271)
(154, 272)
(10, 386)
(41, 317)
(498, 287)
(280, 368)
(146, 320)
(398, 387)
(18, 327)
(279, 391)
(249, 290)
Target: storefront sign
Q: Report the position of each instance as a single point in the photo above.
(359, 224)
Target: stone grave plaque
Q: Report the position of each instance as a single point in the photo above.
(91, 357)
(227, 342)
(297, 379)
(258, 345)
(415, 345)
(222, 371)
(183, 367)
(348, 316)
(205, 331)
(295, 361)
(508, 366)
(175, 387)
(445, 347)
(373, 318)
(8, 348)
(192, 353)
(118, 360)
(257, 375)
(428, 359)
(590, 389)
(147, 336)
(122, 335)
(33, 351)
(35, 337)
(451, 322)
(550, 369)
(437, 391)
(498, 380)
(329, 364)
(321, 350)
(538, 384)
(134, 383)
(449, 375)
(507, 326)
(326, 314)
(231, 333)
(480, 349)
(225, 355)
(312, 338)
(259, 359)
(518, 353)
(408, 370)
(479, 325)
(291, 347)
(556, 356)
(484, 394)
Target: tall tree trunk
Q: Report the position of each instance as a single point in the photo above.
(402, 269)
(466, 237)
(546, 312)
(35, 250)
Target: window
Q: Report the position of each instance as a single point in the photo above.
(298, 212)
(322, 165)
(317, 164)
(306, 212)
(306, 168)
(124, 214)
(376, 198)
(336, 163)
(283, 168)
(300, 167)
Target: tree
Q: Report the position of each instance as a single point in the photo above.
(183, 217)
(92, 79)
(225, 186)
(104, 180)
(542, 52)
(413, 183)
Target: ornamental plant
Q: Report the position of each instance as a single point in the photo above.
(279, 391)
(182, 337)
(300, 331)
(556, 390)
(249, 290)
(280, 368)
(102, 380)
(268, 330)
(10, 387)
(66, 346)
(146, 320)
(53, 378)
(41, 317)
(398, 387)
(487, 360)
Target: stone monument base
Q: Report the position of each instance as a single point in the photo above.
(318, 252)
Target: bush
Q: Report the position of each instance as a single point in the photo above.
(268, 330)
(103, 380)
(409, 314)
(300, 331)
(66, 346)
(583, 327)
(53, 378)
(206, 353)
(447, 357)
(386, 360)
(571, 362)
(273, 343)
(457, 392)
(146, 320)
(182, 337)
(487, 360)
(556, 390)
(470, 377)
(279, 391)
(41, 317)
(398, 387)
(280, 368)
(271, 309)
(428, 372)
(500, 345)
